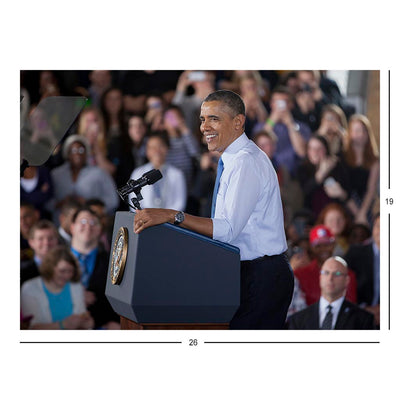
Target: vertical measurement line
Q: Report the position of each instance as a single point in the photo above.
(389, 271)
(389, 132)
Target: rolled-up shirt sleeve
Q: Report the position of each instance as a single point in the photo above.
(238, 194)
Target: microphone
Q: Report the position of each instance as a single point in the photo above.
(132, 185)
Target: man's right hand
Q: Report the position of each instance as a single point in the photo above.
(152, 216)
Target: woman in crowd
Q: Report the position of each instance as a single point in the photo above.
(154, 112)
(251, 92)
(333, 127)
(323, 177)
(137, 134)
(338, 220)
(76, 178)
(91, 127)
(362, 157)
(113, 113)
(55, 299)
(184, 149)
(128, 151)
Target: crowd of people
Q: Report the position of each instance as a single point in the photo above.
(324, 152)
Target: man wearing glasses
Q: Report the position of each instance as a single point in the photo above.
(93, 259)
(332, 311)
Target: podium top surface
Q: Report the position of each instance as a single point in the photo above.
(129, 215)
(202, 237)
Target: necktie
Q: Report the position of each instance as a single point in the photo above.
(327, 322)
(376, 296)
(216, 186)
(84, 270)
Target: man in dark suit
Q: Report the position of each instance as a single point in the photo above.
(332, 311)
(93, 260)
(364, 260)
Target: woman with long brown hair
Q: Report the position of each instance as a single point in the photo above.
(362, 158)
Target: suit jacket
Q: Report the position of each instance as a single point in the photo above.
(350, 317)
(28, 270)
(360, 258)
(101, 310)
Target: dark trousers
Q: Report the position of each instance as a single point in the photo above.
(266, 290)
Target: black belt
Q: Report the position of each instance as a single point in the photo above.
(266, 257)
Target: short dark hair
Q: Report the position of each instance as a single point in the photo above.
(162, 135)
(231, 99)
(174, 107)
(281, 89)
(70, 204)
(81, 209)
(94, 201)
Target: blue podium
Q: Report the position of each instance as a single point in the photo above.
(170, 275)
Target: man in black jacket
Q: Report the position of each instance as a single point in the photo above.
(332, 311)
(364, 260)
(85, 245)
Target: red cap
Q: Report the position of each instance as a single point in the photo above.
(321, 234)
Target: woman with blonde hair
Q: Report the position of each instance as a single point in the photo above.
(362, 158)
(91, 126)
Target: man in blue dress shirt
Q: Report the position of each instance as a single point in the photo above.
(247, 214)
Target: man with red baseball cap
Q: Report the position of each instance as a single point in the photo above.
(322, 243)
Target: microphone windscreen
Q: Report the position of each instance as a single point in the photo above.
(153, 176)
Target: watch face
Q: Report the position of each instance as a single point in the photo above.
(179, 217)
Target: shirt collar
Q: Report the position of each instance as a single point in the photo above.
(234, 147)
(323, 303)
(79, 255)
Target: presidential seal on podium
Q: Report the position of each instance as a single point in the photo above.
(119, 254)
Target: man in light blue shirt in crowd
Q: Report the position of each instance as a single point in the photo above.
(247, 213)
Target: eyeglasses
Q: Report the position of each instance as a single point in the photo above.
(335, 274)
(79, 150)
(91, 222)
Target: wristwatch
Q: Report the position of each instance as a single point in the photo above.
(179, 218)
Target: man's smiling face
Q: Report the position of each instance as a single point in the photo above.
(219, 126)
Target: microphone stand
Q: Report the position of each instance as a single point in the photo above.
(134, 186)
(135, 201)
(123, 193)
